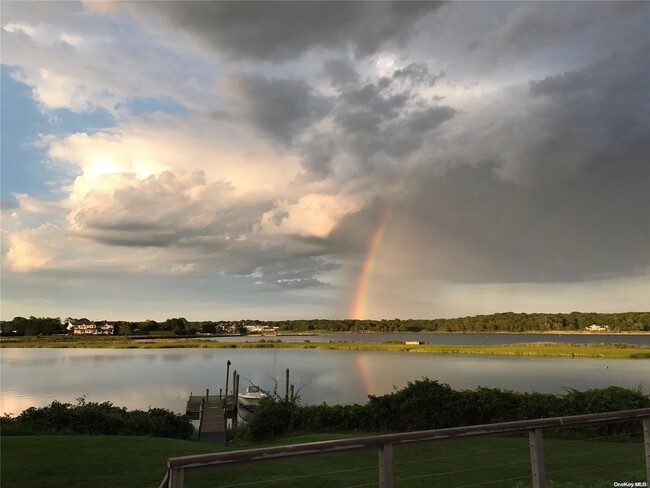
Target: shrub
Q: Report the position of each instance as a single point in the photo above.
(89, 418)
(427, 404)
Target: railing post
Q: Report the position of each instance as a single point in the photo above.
(176, 478)
(386, 466)
(646, 443)
(537, 458)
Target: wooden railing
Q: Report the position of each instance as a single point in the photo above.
(384, 444)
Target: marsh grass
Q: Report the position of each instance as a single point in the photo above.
(540, 349)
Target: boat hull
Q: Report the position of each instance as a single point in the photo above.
(249, 400)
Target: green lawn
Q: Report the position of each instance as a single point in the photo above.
(87, 461)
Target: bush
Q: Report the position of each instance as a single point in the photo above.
(89, 418)
(426, 404)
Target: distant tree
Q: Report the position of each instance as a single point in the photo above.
(208, 328)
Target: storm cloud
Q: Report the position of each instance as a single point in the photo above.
(281, 108)
(548, 183)
(280, 31)
(266, 145)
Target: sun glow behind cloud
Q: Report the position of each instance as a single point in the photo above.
(103, 166)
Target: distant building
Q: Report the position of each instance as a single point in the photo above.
(261, 329)
(92, 327)
(597, 328)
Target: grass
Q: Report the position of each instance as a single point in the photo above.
(610, 351)
(91, 461)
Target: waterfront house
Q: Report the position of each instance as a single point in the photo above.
(597, 328)
(85, 326)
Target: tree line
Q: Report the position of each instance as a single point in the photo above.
(34, 326)
(499, 322)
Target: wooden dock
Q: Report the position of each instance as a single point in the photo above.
(210, 411)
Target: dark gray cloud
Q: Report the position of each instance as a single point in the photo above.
(281, 108)
(549, 183)
(295, 274)
(565, 83)
(417, 73)
(317, 156)
(380, 120)
(280, 31)
(371, 125)
(530, 25)
(585, 119)
(340, 72)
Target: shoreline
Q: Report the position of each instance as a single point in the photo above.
(504, 332)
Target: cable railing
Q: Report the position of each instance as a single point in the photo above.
(386, 478)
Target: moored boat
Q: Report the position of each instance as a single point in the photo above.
(252, 396)
(248, 400)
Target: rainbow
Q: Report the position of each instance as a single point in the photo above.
(361, 291)
(357, 308)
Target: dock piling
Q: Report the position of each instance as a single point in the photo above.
(235, 398)
(286, 395)
(228, 363)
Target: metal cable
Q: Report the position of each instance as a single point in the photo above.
(493, 481)
(582, 453)
(510, 449)
(579, 467)
(608, 480)
(603, 437)
(462, 470)
(476, 453)
(251, 483)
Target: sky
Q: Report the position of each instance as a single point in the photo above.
(229, 160)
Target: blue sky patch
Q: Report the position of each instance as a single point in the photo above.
(23, 122)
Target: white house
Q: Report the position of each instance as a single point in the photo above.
(85, 326)
(597, 328)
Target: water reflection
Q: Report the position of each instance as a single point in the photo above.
(164, 378)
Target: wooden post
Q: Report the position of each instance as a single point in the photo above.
(220, 393)
(386, 466)
(201, 413)
(235, 396)
(176, 478)
(646, 443)
(536, 443)
(286, 395)
(228, 363)
(207, 394)
(292, 397)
